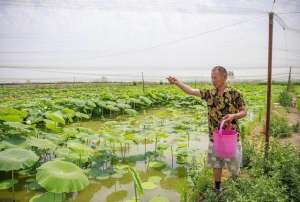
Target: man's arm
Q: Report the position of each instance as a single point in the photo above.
(186, 88)
(230, 117)
(240, 105)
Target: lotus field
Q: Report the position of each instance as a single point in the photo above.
(107, 142)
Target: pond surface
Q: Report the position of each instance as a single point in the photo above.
(120, 188)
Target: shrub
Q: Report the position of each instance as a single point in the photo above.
(296, 127)
(281, 182)
(248, 153)
(285, 99)
(279, 126)
(283, 164)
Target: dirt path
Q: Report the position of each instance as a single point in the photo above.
(293, 118)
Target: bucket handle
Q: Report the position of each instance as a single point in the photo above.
(221, 127)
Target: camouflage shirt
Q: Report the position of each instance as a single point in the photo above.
(230, 102)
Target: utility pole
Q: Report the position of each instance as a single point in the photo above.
(289, 81)
(267, 128)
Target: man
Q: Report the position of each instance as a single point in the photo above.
(224, 103)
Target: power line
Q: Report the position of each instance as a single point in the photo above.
(175, 41)
(285, 13)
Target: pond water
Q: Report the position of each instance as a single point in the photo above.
(120, 188)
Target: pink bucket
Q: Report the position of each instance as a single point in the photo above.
(225, 141)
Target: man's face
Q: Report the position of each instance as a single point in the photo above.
(217, 78)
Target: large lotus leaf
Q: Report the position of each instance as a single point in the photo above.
(134, 100)
(108, 102)
(14, 141)
(81, 115)
(123, 105)
(157, 164)
(69, 114)
(11, 114)
(145, 100)
(41, 143)
(35, 116)
(60, 176)
(16, 158)
(80, 148)
(112, 108)
(159, 199)
(131, 112)
(69, 155)
(56, 117)
(47, 197)
(51, 125)
(148, 185)
(101, 103)
(154, 179)
(19, 126)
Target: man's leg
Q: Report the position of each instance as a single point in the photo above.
(217, 178)
(235, 164)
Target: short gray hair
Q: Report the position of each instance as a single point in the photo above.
(220, 69)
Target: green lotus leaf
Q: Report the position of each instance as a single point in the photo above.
(33, 185)
(121, 166)
(18, 126)
(47, 197)
(136, 101)
(80, 148)
(41, 143)
(112, 108)
(104, 176)
(131, 200)
(60, 176)
(117, 196)
(123, 105)
(56, 117)
(145, 100)
(14, 142)
(117, 175)
(11, 114)
(67, 154)
(154, 179)
(16, 158)
(69, 114)
(131, 112)
(159, 199)
(51, 125)
(148, 185)
(157, 164)
(82, 115)
(6, 184)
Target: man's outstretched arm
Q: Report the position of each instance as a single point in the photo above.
(186, 88)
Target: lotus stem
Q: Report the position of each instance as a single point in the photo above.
(13, 185)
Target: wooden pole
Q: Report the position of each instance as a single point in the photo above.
(143, 83)
(267, 135)
(289, 81)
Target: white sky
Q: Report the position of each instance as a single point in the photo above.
(145, 35)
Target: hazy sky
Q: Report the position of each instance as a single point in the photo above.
(146, 35)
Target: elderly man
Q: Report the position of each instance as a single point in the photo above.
(224, 103)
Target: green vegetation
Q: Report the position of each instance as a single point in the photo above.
(101, 133)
